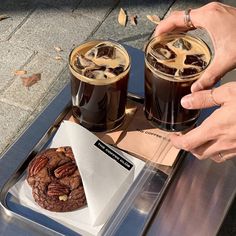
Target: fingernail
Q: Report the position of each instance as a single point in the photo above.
(186, 101)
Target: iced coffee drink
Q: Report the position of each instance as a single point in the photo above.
(99, 80)
(172, 63)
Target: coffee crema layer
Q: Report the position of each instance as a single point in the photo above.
(179, 56)
(99, 63)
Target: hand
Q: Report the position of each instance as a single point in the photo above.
(220, 22)
(217, 134)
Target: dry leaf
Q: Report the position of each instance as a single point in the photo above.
(31, 80)
(20, 72)
(122, 17)
(154, 19)
(58, 58)
(3, 17)
(58, 49)
(133, 20)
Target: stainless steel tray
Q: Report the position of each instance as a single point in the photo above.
(135, 210)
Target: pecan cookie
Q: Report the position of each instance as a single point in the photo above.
(55, 180)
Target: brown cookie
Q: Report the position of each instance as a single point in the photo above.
(55, 180)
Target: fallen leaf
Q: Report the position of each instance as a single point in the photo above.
(58, 58)
(58, 49)
(122, 17)
(3, 17)
(133, 20)
(30, 80)
(20, 72)
(154, 19)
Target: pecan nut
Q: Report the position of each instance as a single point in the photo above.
(66, 169)
(56, 189)
(61, 149)
(63, 198)
(38, 165)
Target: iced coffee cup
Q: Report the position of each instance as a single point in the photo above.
(172, 63)
(99, 80)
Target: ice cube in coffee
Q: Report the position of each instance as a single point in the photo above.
(172, 63)
(99, 80)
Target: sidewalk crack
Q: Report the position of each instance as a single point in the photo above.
(104, 18)
(21, 24)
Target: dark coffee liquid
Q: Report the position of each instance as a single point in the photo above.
(162, 104)
(99, 80)
(173, 63)
(99, 107)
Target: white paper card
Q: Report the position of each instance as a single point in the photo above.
(101, 169)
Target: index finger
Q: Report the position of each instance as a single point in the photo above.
(201, 99)
(194, 138)
(208, 98)
(173, 22)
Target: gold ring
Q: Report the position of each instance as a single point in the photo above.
(213, 99)
(187, 19)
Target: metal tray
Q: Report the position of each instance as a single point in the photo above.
(135, 210)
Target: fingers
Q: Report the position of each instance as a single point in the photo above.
(208, 150)
(211, 148)
(203, 134)
(219, 156)
(210, 77)
(192, 139)
(201, 99)
(226, 155)
(175, 21)
(203, 148)
(208, 98)
(216, 70)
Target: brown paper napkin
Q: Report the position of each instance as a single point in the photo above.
(137, 136)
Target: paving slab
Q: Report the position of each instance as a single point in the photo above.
(95, 9)
(12, 58)
(11, 118)
(18, 95)
(48, 27)
(131, 35)
(54, 90)
(65, 5)
(185, 4)
(18, 11)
